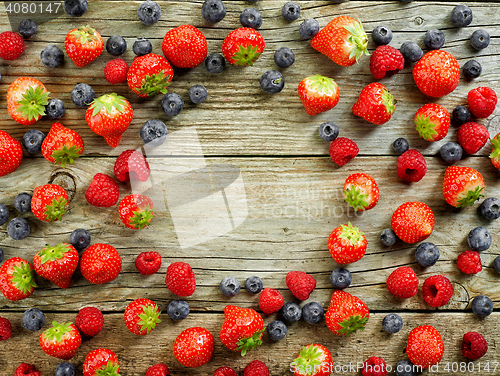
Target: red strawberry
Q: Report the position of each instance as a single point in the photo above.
(17, 279)
(402, 282)
(102, 191)
(25, 369)
(89, 321)
(225, 371)
(149, 75)
(318, 94)
(11, 153)
(243, 46)
(469, 262)
(61, 340)
(495, 151)
(185, 46)
(432, 122)
(109, 116)
(101, 362)
(300, 284)
(411, 166)
(270, 301)
(437, 73)
(361, 191)
(148, 263)
(194, 347)
(472, 136)
(346, 313)
(159, 369)
(425, 346)
(256, 368)
(136, 211)
(342, 150)
(5, 329)
(375, 104)
(180, 279)
(142, 316)
(49, 202)
(374, 366)
(437, 290)
(462, 186)
(62, 145)
(83, 45)
(100, 263)
(413, 221)
(343, 40)
(11, 45)
(386, 60)
(57, 263)
(26, 100)
(474, 346)
(242, 329)
(115, 71)
(131, 164)
(313, 360)
(482, 101)
(347, 244)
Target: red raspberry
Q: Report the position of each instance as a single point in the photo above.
(342, 150)
(482, 101)
(469, 262)
(472, 136)
(180, 279)
(89, 321)
(386, 60)
(225, 371)
(403, 282)
(5, 329)
(474, 346)
(437, 290)
(256, 368)
(115, 71)
(26, 369)
(148, 263)
(270, 301)
(300, 284)
(411, 166)
(131, 162)
(159, 369)
(11, 45)
(102, 191)
(374, 366)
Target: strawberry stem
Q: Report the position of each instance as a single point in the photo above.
(33, 103)
(111, 369)
(155, 84)
(352, 325)
(471, 197)
(425, 128)
(66, 155)
(358, 39)
(246, 55)
(84, 34)
(50, 254)
(23, 277)
(141, 218)
(253, 342)
(308, 360)
(351, 233)
(149, 318)
(56, 210)
(355, 198)
(57, 331)
(495, 147)
(109, 102)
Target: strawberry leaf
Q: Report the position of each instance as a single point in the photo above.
(495, 146)
(33, 103)
(351, 233)
(50, 254)
(56, 333)
(355, 198)
(309, 360)
(155, 84)
(111, 369)
(358, 40)
(23, 277)
(56, 209)
(352, 325)
(141, 218)
(253, 342)
(108, 102)
(66, 155)
(149, 318)
(470, 198)
(246, 55)
(425, 128)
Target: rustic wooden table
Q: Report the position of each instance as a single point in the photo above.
(292, 189)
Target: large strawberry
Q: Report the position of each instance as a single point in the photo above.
(49, 202)
(61, 340)
(100, 263)
(242, 329)
(141, 316)
(425, 346)
(149, 75)
(57, 263)
(101, 362)
(413, 221)
(346, 313)
(347, 244)
(432, 122)
(375, 104)
(109, 116)
(26, 100)
(136, 211)
(343, 40)
(361, 191)
(318, 94)
(185, 46)
(495, 151)
(62, 145)
(243, 46)
(462, 186)
(17, 280)
(313, 360)
(194, 347)
(83, 45)
(437, 73)
(11, 153)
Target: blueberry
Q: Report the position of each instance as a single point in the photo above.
(251, 17)
(80, 239)
(1, 255)
(4, 214)
(388, 237)
(309, 28)
(480, 39)
(230, 286)
(215, 63)
(284, 57)
(381, 35)
(75, 8)
(451, 152)
(489, 208)
(65, 369)
(254, 285)
(479, 239)
(482, 306)
(52, 56)
(328, 131)
(32, 141)
(290, 312)
(276, 330)
(33, 319)
(400, 145)
(291, 11)
(82, 95)
(22, 202)
(427, 254)
(313, 313)
(411, 52)
(27, 28)
(461, 16)
(116, 45)
(172, 104)
(18, 228)
(405, 368)
(340, 278)
(55, 109)
(460, 115)
(434, 39)
(178, 309)
(154, 132)
(149, 12)
(272, 82)
(392, 323)
(213, 10)
(496, 263)
(198, 94)
(472, 69)
(142, 46)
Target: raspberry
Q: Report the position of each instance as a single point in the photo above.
(374, 366)
(256, 368)
(482, 101)
(403, 282)
(159, 369)
(11, 45)
(102, 191)
(469, 262)
(89, 321)
(437, 290)
(386, 60)
(411, 166)
(474, 346)
(225, 371)
(270, 301)
(5, 329)
(472, 136)
(131, 164)
(300, 284)
(180, 279)
(115, 71)
(342, 150)
(25, 369)
(148, 263)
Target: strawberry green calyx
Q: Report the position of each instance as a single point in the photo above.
(149, 318)
(23, 278)
(109, 102)
(358, 40)
(111, 369)
(33, 103)
(355, 198)
(471, 197)
(389, 101)
(495, 147)
(246, 55)
(155, 84)
(322, 84)
(141, 218)
(50, 254)
(66, 155)
(425, 128)
(308, 360)
(84, 34)
(353, 234)
(352, 325)
(57, 331)
(56, 209)
(253, 342)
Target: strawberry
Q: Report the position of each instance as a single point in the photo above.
(413, 221)
(313, 360)
(402, 282)
(495, 151)
(194, 347)
(57, 263)
(243, 46)
(346, 313)
(11, 45)
(432, 122)
(83, 45)
(185, 46)
(26, 100)
(149, 75)
(318, 94)
(62, 145)
(437, 73)
(361, 191)
(472, 137)
(136, 211)
(49, 202)
(270, 301)
(100, 263)
(101, 362)
(141, 316)
(462, 186)
(375, 104)
(347, 244)
(180, 279)
(300, 284)
(109, 116)
(131, 164)
(17, 279)
(61, 340)
(102, 191)
(425, 346)
(11, 153)
(242, 329)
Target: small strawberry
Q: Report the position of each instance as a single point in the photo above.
(242, 329)
(243, 46)
(482, 101)
(115, 71)
(495, 151)
(11, 153)
(300, 284)
(100, 263)
(437, 290)
(462, 186)
(432, 122)
(57, 263)
(61, 340)
(375, 104)
(89, 321)
(386, 60)
(437, 73)
(180, 279)
(49, 202)
(11, 45)
(318, 94)
(425, 346)
(185, 46)
(472, 137)
(26, 100)
(342, 150)
(17, 279)
(101, 362)
(102, 191)
(136, 211)
(159, 369)
(469, 262)
(402, 282)
(131, 164)
(347, 244)
(413, 221)
(149, 75)
(62, 145)
(313, 360)
(83, 45)
(270, 301)
(194, 347)
(361, 191)
(346, 313)
(141, 316)
(25, 369)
